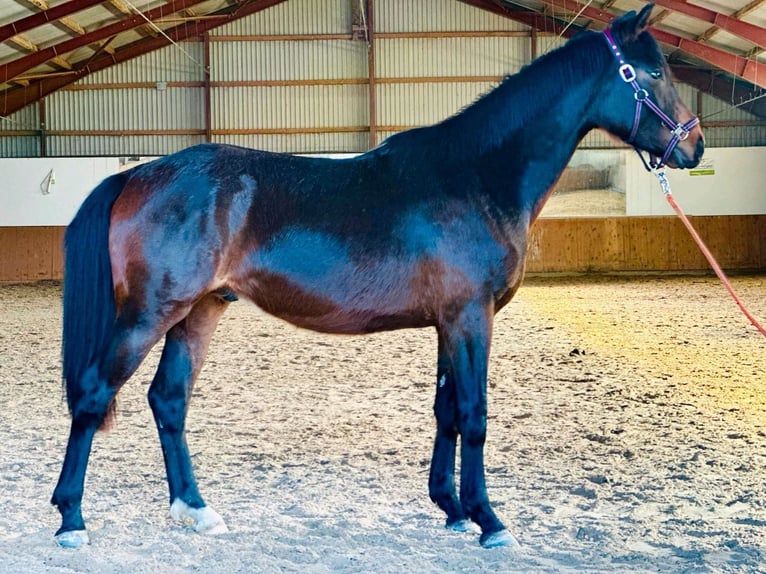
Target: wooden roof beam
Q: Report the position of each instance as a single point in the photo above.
(120, 6)
(16, 98)
(21, 65)
(64, 21)
(535, 20)
(745, 30)
(47, 16)
(710, 32)
(750, 70)
(22, 43)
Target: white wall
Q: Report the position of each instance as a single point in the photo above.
(23, 181)
(736, 186)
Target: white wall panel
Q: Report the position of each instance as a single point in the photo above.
(711, 194)
(27, 199)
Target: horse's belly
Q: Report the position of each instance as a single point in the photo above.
(338, 308)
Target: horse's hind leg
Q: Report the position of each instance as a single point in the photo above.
(68, 493)
(91, 402)
(185, 349)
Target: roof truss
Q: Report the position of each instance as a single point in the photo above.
(730, 75)
(41, 68)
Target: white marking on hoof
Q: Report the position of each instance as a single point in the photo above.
(464, 525)
(499, 539)
(205, 520)
(73, 539)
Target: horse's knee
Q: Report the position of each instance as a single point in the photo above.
(473, 430)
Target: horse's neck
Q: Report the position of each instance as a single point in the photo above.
(526, 132)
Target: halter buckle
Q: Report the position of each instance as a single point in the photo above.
(680, 132)
(641, 94)
(627, 73)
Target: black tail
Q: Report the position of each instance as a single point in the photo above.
(89, 308)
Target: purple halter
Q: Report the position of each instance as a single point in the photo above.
(628, 75)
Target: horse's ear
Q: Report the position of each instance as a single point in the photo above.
(642, 21)
(631, 25)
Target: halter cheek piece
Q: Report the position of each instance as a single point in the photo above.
(628, 74)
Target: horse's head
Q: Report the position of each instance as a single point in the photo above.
(639, 102)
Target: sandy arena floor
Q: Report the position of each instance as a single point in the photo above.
(627, 433)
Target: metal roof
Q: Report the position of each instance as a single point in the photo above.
(717, 46)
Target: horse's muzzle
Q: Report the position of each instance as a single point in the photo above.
(688, 153)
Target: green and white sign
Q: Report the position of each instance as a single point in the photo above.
(705, 167)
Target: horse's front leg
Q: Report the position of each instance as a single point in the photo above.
(441, 481)
(466, 342)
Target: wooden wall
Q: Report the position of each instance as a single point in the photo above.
(633, 244)
(31, 253)
(639, 244)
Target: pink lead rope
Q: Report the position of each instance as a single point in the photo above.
(665, 184)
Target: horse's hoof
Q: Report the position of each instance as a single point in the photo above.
(205, 520)
(212, 525)
(498, 539)
(73, 539)
(464, 525)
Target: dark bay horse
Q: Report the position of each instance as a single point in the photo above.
(429, 229)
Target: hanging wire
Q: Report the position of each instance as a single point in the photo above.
(20, 124)
(575, 17)
(168, 38)
(732, 106)
(31, 127)
(363, 12)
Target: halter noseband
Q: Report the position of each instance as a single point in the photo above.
(628, 75)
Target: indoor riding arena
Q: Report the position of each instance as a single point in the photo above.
(625, 387)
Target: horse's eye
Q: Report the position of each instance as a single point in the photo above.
(656, 74)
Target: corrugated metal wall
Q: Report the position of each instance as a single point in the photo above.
(279, 94)
(296, 17)
(422, 77)
(291, 78)
(437, 16)
(20, 133)
(725, 125)
(151, 105)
